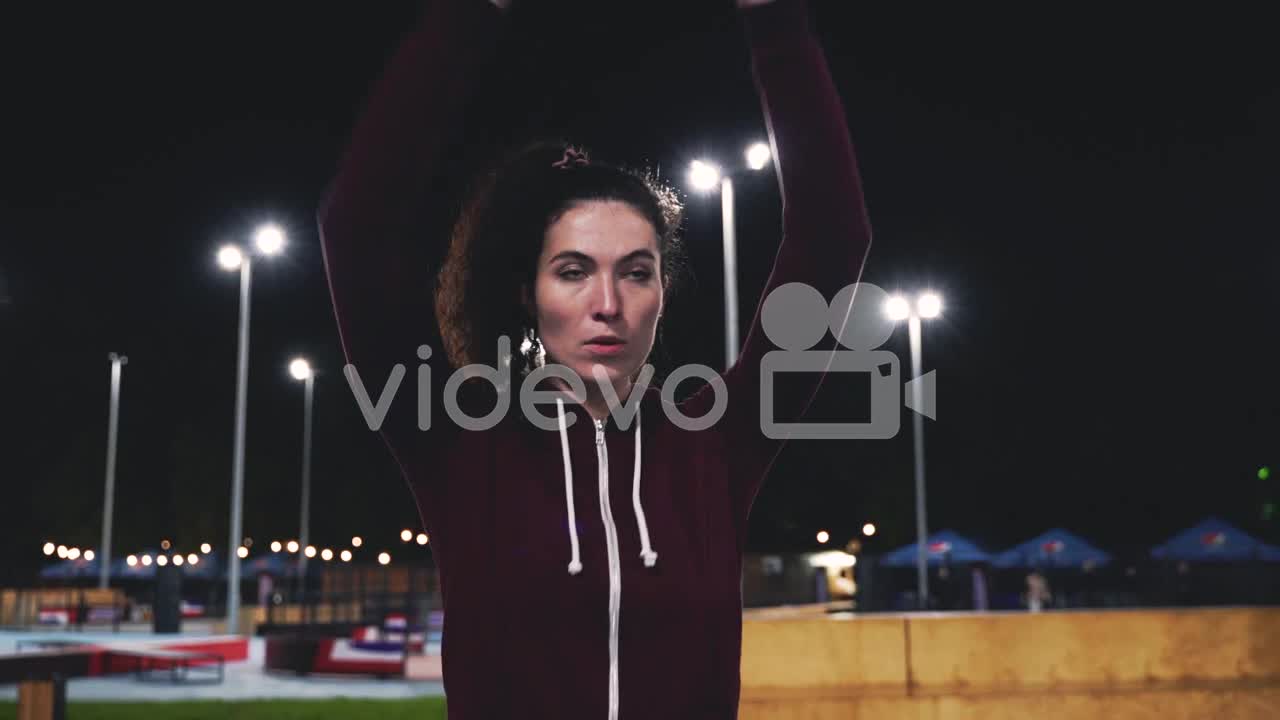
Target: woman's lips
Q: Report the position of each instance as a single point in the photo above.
(606, 349)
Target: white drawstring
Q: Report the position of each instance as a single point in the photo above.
(610, 532)
(646, 552)
(575, 563)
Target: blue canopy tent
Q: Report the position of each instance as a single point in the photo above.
(209, 567)
(1214, 540)
(70, 569)
(277, 564)
(1055, 548)
(121, 570)
(942, 546)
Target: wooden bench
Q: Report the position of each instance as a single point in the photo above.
(41, 677)
(148, 664)
(41, 669)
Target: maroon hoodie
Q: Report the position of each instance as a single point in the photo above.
(592, 570)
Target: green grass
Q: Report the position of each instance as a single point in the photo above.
(339, 709)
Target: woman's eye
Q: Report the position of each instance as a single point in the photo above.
(640, 274)
(572, 274)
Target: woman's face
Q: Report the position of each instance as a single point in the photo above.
(598, 291)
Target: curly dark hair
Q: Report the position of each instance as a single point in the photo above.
(498, 238)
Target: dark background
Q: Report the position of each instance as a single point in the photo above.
(1093, 194)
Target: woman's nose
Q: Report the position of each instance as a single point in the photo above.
(607, 303)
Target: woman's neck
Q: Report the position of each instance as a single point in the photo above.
(598, 406)
(595, 403)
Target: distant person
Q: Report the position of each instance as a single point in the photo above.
(1131, 588)
(1089, 588)
(82, 609)
(1184, 591)
(947, 587)
(626, 540)
(266, 590)
(1038, 596)
(978, 582)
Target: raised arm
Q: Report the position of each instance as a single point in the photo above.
(376, 227)
(825, 231)
(826, 234)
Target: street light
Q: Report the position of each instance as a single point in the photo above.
(704, 176)
(269, 240)
(292, 546)
(406, 535)
(300, 369)
(758, 156)
(49, 548)
(869, 529)
(929, 305)
(898, 307)
(109, 495)
(230, 257)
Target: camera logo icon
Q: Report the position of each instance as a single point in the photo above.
(796, 317)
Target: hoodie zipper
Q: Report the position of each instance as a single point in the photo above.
(615, 566)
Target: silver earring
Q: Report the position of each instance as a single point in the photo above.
(536, 348)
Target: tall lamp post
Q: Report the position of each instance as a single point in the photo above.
(301, 370)
(705, 176)
(268, 241)
(927, 305)
(109, 494)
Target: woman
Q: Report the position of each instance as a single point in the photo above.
(623, 542)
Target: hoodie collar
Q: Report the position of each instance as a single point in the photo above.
(650, 408)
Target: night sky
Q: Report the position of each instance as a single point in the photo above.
(1093, 195)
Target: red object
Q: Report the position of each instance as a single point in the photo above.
(95, 614)
(1214, 539)
(56, 616)
(231, 648)
(103, 662)
(335, 655)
